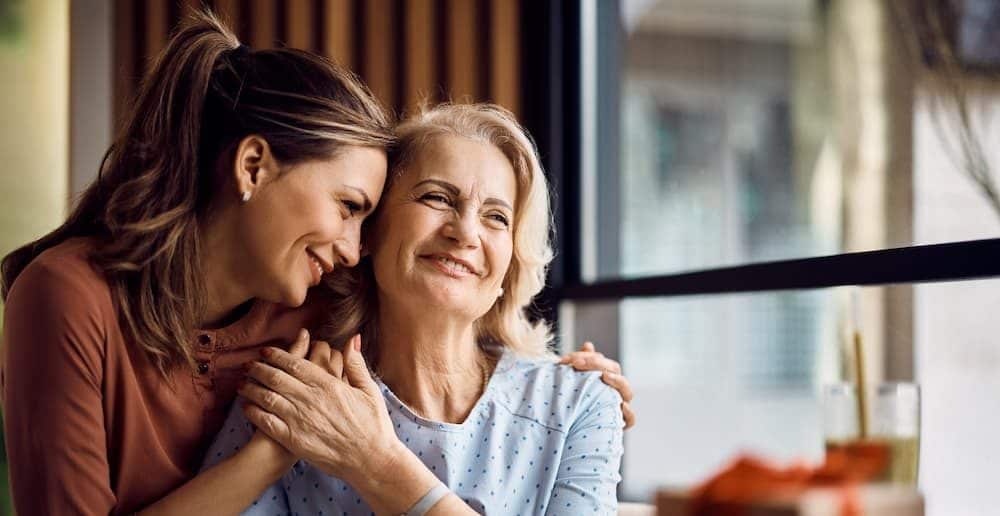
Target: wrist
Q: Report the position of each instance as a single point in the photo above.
(394, 481)
(263, 452)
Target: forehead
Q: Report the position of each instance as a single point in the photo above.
(474, 167)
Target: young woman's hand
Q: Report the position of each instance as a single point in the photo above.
(327, 410)
(588, 359)
(299, 348)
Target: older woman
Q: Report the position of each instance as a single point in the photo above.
(469, 413)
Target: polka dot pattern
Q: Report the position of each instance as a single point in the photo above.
(543, 439)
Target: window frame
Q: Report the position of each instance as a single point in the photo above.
(552, 88)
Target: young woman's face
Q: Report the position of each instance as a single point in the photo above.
(444, 236)
(306, 221)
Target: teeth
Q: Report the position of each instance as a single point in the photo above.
(454, 266)
(316, 264)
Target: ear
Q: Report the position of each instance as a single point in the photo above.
(254, 166)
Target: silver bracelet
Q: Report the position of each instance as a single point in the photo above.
(428, 500)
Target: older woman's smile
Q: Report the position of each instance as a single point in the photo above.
(451, 265)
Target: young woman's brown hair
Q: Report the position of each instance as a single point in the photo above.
(160, 177)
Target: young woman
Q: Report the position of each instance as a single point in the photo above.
(238, 179)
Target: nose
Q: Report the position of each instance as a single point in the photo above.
(347, 249)
(463, 229)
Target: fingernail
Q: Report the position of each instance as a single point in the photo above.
(357, 342)
(265, 352)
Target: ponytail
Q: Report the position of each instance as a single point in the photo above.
(158, 179)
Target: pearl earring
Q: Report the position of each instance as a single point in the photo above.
(500, 293)
(246, 196)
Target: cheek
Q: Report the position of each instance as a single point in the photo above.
(501, 256)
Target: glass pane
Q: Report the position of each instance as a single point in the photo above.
(740, 132)
(715, 376)
(705, 391)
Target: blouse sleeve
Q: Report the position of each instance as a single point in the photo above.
(52, 373)
(588, 474)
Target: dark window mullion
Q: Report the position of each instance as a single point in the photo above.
(954, 261)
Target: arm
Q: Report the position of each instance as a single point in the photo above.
(53, 353)
(246, 479)
(588, 470)
(241, 469)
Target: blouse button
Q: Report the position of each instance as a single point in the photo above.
(204, 340)
(202, 367)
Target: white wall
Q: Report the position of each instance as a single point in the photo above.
(957, 331)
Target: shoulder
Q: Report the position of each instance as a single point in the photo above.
(65, 276)
(549, 393)
(59, 294)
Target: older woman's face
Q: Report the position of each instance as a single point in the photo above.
(444, 238)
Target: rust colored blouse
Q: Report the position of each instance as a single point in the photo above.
(91, 425)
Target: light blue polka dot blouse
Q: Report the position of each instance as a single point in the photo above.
(543, 439)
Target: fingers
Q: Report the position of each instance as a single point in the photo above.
(355, 370)
(299, 368)
(300, 346)
(336, 364)
(272, 425)
(588, 347)
(594, 361)
(619, 383)
(274, 379)
(628, 415)
(319, 353)
(265, 398)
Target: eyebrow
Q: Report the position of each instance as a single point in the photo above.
(367, 205)
(454, 190)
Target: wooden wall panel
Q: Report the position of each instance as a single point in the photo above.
(378, 67)
(505, 54)
(339, 33)
(263, 29)
(157, 27)
(124, 52)
(407, 51)
(420, 81)
(463, 51)
(299, 25)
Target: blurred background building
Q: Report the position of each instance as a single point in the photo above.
(682, 136)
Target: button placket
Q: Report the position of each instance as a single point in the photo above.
(204, 344)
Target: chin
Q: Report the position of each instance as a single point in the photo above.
(292, 296)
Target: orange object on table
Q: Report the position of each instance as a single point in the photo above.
(748, 480)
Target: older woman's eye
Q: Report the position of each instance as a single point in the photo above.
(436, 199)
(501, 218)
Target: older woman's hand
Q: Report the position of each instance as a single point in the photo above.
(588, 359)
(331, 415)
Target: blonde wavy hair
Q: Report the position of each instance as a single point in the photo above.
(354, 304)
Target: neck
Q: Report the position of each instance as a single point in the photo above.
(225, 292)
(434, 366)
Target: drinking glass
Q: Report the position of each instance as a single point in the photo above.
(896, 420)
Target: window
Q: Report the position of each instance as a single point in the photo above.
(726, 173)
